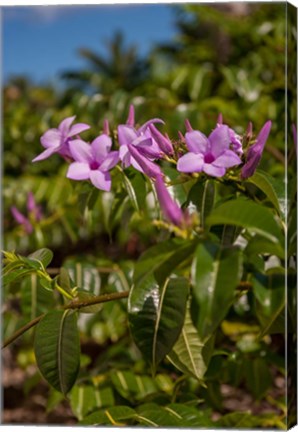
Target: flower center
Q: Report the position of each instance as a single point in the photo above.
(94, 165)
(209, 158)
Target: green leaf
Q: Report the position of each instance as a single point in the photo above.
(15, 275)
(57, 349)
(34, 300)
(136, 189)
(83, 295)
(162, 259)
(156, 315)
(201, 196)
(259, 245)
(113, 416)
(274, 189)
(85, 398)
(190, 416)
(132, 386)
(249, 215)
(258, 377)
(270, 298)
(84, 275)
(154, 415)
(214, 285)
(44, 255)
(64, 280)
(186, 354)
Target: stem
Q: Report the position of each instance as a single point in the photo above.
(22, 330)
(75, 304)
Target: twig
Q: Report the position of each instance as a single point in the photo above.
(75, 304)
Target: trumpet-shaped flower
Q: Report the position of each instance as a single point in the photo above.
(141, 138)
(236, 143)
(169, 207)
(145, 165)
(211, 155)
(93, 161)
(57, 140)
(255, 152)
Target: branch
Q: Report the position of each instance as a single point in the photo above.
(75, 304)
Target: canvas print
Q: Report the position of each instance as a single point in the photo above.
(149, 215)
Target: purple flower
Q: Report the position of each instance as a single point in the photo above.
(163, 142)
(34, 214)
(211, 155)
(255, 152)
(145, 165)
(93, 161)
(169, 207)
(57, 140)
(140, 138)
(236, 143)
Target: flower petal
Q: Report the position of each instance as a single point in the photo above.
(51, 138)
(80, 151)
(227, 159)
(100, 147)
(213, 170)
(147, 147)
(143, 128)
(126, 134)
(190, 162)
(78, 171)
(220, 140)
(197, 142)
(45, 154)
(124, 156)
(169, 207)
(77, 129)
(148, 167)
(101, 180)
(64, 126)
(110, 161)
(19, 217)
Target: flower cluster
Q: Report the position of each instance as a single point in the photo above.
(34, 214)
(143, 147)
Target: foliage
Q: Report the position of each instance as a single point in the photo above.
(170, 311)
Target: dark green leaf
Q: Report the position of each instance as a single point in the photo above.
(258, 377)
(162, 259)
(57, 349)
(156, 315)
(249, 215)
(270, 296)
(201, 196)
(215, 275)
(272, 188)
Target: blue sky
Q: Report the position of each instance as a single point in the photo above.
(42, 41)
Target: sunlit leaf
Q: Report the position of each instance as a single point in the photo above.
(247, 214)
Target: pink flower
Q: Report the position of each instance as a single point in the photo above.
(93, 162)
(57, 140)
(211, 155)
(255, 152)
